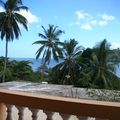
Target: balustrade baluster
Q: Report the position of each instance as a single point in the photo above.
(20, 112)
(34, 113)
(65, 116)
(91, 118)
(9, 112)
(100, 119)
(49, 114)
(82, 118)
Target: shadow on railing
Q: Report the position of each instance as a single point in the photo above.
(50, 104)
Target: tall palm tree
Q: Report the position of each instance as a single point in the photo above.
(9, 20)
(50, 45)
(69, 67)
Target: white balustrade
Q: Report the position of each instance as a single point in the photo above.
(49, 114)
(65, 116)
(34, 113)
(111, 109)
(100, 119)
(82, 118)
(20, 112)
(92, 118)
(9, 112)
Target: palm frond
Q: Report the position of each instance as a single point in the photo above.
(43, 58)
(55, 55)
(42, 42)
(42, 36)
(21, 8)
(51, 43)
(39, 51)
(60, 43)
(57, 33)
(48, 56)
(21, 19)
(16, 29)
(45, 31)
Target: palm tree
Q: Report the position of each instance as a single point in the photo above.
(100, 65)
(50, 44)
(9, 20)
(20, 69)
(16, 70)
(8, 73)
(69, 67)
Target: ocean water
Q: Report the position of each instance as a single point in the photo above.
(118, 70)
(35, 63)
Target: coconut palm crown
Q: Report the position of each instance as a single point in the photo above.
(69, 66)
(50, 45)
(10, 18)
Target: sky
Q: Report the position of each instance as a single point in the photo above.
(88, 21)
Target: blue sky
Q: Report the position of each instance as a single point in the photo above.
(88, 21)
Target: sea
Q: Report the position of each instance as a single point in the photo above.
(36, 63)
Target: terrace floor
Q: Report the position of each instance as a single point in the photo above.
(49, 89)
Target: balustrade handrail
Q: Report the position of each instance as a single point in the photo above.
(64, 105)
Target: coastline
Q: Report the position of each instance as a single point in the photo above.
(35, 63)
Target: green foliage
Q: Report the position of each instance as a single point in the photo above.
(50, 45)
(116, 83)
(21, 69)
(68, 69)
(98, 67)
(9, 19)
(18, 70)
(33, 77)
(9, 24)
(92, 68)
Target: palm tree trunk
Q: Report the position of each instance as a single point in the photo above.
(69, 73)
(43, 71)
(5, 62)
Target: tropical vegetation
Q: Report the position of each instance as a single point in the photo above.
(94, 68)
(51, 46)
(68, 69)
(19, 70)
(90, 68)
(9, 27)
(99, 66)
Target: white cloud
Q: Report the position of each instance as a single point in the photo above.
(30, 17)
(75, 23)
(102, 23)
(107, 17)
(27, 14)
(93, 22)
(1, 9)
(86, 27)
(81, 15)
(87, 21)
(115, 45)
